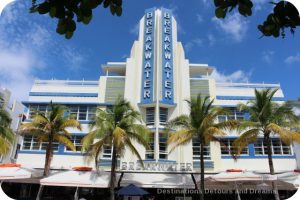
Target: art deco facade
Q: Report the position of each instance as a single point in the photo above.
(156, 78)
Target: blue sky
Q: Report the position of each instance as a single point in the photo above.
(31, 49)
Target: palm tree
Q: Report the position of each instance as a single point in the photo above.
(51, 127)
(6, 134)
(267, 118)
(200, 123)
(117, 128)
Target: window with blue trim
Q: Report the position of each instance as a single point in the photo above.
(91, 112)
(150, 116)
(277, 147)
(196, 150)
(76, 140)
(150, 151)
(234, 114)
(163, 147)
(33, 109)
(227, 147)
(106, 151)
(163, 116)
(82, 112)
(30, 143)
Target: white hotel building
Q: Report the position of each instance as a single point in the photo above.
(156, 78)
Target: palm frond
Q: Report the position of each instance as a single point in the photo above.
(228, 125)
(88, 140)
(134, 151)
(180, 138)
(182, 121)
(70, 123)
(65, 141)
(4, 146)
(285, 135)
(245, 138)
(7, 133)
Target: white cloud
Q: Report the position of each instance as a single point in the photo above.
(174, 9)
(135, 29)
(211, 39)
(195, 42)
(206, 3)
(292, 59)
(267, 56)
(199, 18)
(16, 71)
(235, 26)
(27, 43)
(258, 4)
(237, 76)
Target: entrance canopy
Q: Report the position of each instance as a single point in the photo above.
(290, 177)
(7, 173)
(78, 179)
(159, 180)
(242, 176)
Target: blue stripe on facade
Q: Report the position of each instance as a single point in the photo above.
(207, 164)
(251, 152)
(167, 58)
(245, 98)
(160, 160)
(63, 94)
(81, 121)
(26, 103)
(261, 157)
(147, 89)
(55, 153)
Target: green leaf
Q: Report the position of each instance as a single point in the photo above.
(218, 3)
(70, 25)
(61, 27)
(87, 19)
(118, 3)
(106, 3)
(220, 13)
(52, 12)
(33, 9)
(113, 9)
(69, 35)
(44, 8)
(119, 11)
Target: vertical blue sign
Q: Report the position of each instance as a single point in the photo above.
(167, 58)
(148, 58)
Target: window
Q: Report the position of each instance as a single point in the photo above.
(33, 109)
(82, 112)
(196, 150)
(222, 118)
(150, 152)
(163, 148)
(73, 110)
(31, 143)
(91, 112)
(76, 140)
(277, 147)
(107, 152)
(150, 116)
(43, 108)
(234, 114)
(163, 116)
(227, 147)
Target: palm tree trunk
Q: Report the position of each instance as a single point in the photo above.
(202, 169)
(271, 166)
(49, 156)
(113, 174)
